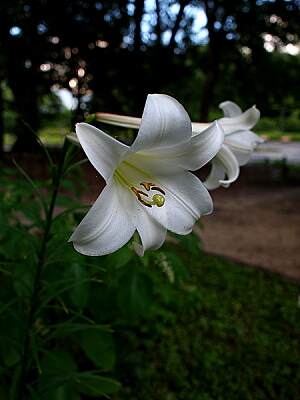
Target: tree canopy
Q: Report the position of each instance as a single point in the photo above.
(111, 54)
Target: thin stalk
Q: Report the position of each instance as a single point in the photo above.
(40, 263)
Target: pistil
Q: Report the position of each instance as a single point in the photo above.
(157, 199)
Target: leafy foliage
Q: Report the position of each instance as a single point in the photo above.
(59, 309)
(229, 332)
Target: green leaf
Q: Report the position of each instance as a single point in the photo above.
(11, 336)
(79, 294)
(32, 211)
(190, 242)
(34, 186)
(136, 294)
(55, 383)
(14, 244)
(68, 184)
(33, 393)
(15, 380)
(119, 258)
(96, 385)
(98, 345)
(65, 391)
(34, 349)
(24, 278)
(4, 392)
(64, 201)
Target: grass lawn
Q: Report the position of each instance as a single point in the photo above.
(283, 136)
(230, 332)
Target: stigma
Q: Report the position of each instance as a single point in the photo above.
(158, 199)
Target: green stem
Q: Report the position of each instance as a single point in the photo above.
(40, 263)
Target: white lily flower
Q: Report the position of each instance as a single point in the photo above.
(148, 185)
(238, 146)
(236, 150)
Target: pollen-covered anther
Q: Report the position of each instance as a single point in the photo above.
(158, 189)
(147, 185)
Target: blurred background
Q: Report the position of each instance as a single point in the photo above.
(94, 56)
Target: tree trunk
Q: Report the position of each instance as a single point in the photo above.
(139, 83)
(212, 63)
(1, 124)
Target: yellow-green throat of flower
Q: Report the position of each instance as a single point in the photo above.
(158, 199)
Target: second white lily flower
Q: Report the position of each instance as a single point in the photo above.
(238, 145)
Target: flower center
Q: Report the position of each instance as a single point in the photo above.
(157, 199)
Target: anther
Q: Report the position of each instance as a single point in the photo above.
(158, 189)
(147, 185)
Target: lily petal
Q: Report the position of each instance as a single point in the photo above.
(195, 153)
(242, 144)
(103, 151)
(230, 109)
(224, 163)
(151, 232)
(244, 121)
(107, 226)
(187, 200)
(165, 124)
(202, 147)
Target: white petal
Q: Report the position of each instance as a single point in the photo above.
(224, 163)
(186, 200)
(216, 175)
(106, 227)
(151, 232)
(195, 153)
(244, 121)
(202, 148)
(242, 144)
(119, 120)
(230, 109)
(165, 123)
(199, 126)
(103, 151)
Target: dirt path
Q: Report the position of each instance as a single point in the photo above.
(256, 221)
(257, 224)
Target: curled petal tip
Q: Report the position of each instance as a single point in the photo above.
(138, 248)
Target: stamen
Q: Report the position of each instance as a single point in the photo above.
(158, 189)
(147, 185)
(138, 195)
(157, 200)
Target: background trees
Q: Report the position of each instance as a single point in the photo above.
(110, 54)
